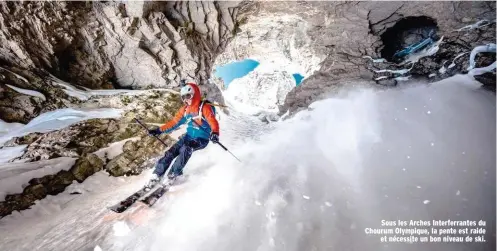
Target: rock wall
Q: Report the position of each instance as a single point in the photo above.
(330, 42)
(102, 45)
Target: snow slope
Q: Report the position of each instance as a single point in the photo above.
(9, 153)
(15, 176)
(55, 120)
(88, 93)
(8, 127)
(312, 182)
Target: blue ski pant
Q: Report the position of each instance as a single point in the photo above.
(183, 150)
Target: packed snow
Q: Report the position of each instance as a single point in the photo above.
(9, 153)
(88, 93)
(28, 92)
(482, 70)
(58, 119)
(309, 182)
(5, 127)
(491, 47)
(15, 176)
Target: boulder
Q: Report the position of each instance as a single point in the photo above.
(86, 166)
(59, 182)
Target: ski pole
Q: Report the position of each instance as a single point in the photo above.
(219, 143)
(226, 149)
(147, 131)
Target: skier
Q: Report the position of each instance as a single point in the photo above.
(202, 126)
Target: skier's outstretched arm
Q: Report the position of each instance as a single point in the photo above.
(174, 123)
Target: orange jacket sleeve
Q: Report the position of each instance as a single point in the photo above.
(210, 117)
(174, 123)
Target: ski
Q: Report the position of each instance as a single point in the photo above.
(129, 201)
(155, 195)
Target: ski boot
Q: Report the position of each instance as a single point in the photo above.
(171, 177)
(154, 180)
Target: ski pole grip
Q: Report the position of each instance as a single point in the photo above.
(164, 143)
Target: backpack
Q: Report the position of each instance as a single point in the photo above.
(200, 115)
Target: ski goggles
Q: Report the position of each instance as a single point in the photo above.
(186, 97)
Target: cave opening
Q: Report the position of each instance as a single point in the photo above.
(408, 35)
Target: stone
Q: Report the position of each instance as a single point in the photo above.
(18, 202)
(38, 191)
(135, 154)
(86, 166)
(43, 180)
(60, 181)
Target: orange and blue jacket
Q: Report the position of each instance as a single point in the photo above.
(190, 114)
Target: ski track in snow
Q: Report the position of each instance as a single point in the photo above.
(311, 181)
(15, 176)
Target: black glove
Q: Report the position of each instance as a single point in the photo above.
(155, 132)
(214, 137)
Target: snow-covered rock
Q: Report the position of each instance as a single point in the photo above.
(261, 88)
(278, 40)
